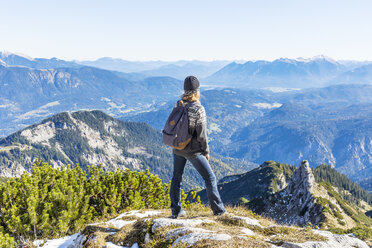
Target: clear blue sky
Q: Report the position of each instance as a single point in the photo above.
(174, 29)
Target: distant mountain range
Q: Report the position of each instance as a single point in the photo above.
(276, 120)
(177, 69)
(295, 73)
(29, 94)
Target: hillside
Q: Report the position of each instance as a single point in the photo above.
(268, 178)
(297, 196)
(304, 200)
(93, 137)
(340, 137)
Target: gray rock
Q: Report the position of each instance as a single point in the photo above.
(247, 220)
(164, 222)
(176, 233)
(192, 238)
(296, 205)
(248, 232)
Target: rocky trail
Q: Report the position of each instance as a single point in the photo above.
(238, 228)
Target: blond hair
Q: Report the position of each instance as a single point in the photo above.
(191, 98)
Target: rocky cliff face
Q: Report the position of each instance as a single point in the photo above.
(296, 205)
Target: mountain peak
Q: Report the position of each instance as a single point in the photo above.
(6, 54)
(302, 180)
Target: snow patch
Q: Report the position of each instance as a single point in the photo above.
(280, 89)
(64, 242)
(264, 105)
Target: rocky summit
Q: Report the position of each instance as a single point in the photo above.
(304, 201)
(296, 203)
(238, 228)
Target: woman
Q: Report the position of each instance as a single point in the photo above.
(197, 152)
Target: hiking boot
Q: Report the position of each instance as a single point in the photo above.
(180, 214)
(220, 213)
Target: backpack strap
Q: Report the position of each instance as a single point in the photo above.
(183, 103)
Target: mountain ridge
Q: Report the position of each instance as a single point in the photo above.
(93, 137)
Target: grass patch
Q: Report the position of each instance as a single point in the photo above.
(280, 234)
(131, 234)
(357, 216)
(235, 242)
(362, 232)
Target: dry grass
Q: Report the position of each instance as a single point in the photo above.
(232, 243)
(96, 240)
(242, 211)
(279, 234)
(199, 211)
(130, 234)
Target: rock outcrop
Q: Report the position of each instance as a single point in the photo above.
(296, 204)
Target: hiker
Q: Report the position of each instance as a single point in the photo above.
(196, 151)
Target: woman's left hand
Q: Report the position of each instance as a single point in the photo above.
(207, 156)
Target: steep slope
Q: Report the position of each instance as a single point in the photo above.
(268, 178)
(297, 196)
(93, 137)
(295, 204)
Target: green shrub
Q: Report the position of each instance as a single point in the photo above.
(54, 202)
(6, 241)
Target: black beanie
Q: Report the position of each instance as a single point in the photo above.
(191, 84)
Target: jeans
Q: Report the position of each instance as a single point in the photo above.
(201, 164)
